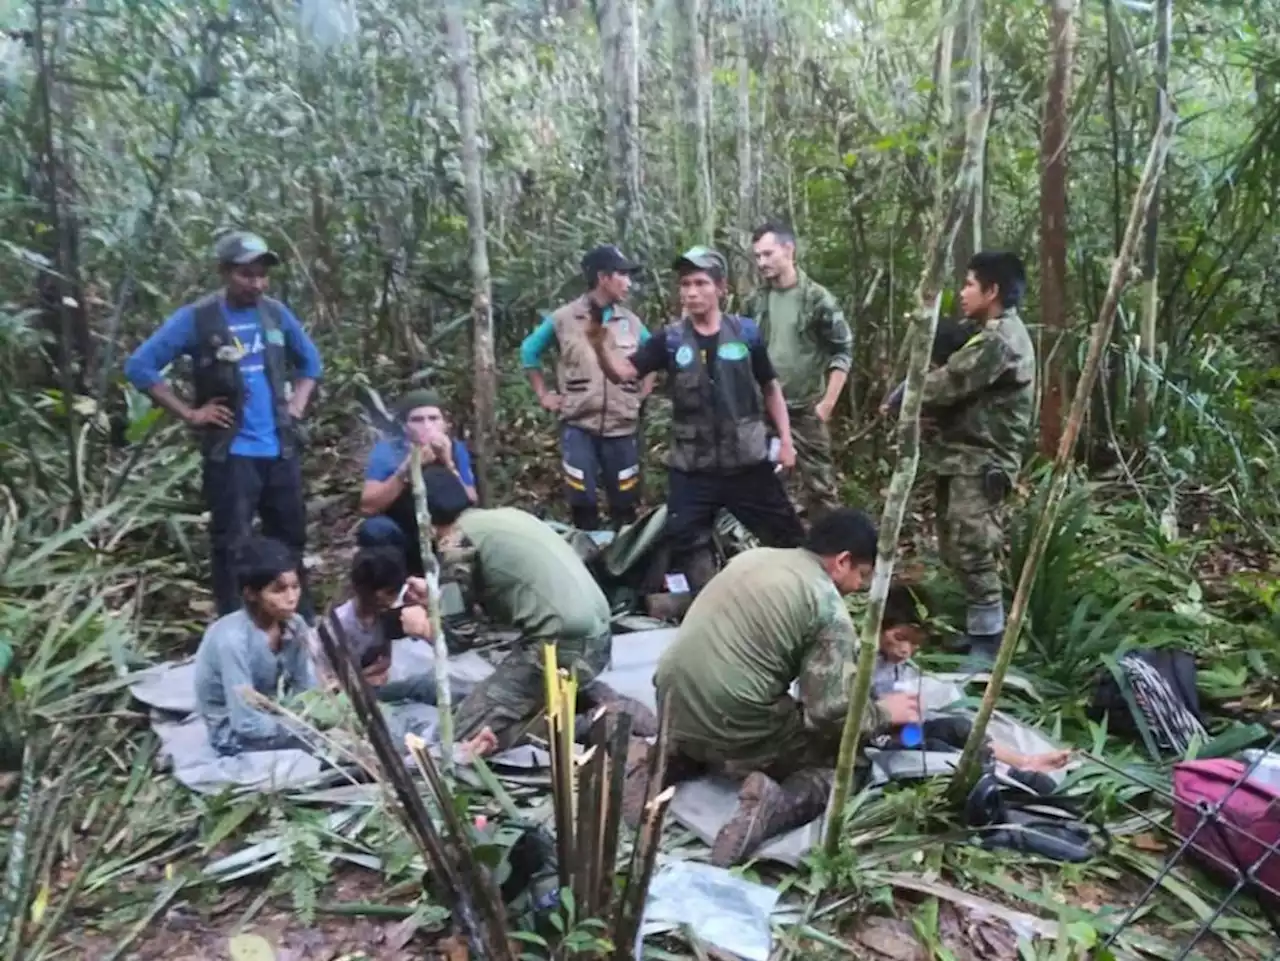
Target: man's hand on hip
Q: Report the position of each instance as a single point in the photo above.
(213, 414)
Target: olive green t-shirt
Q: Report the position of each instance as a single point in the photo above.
(789, 349)
(771, 617)
(530, 578)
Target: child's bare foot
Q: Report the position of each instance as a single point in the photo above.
(483, 744)
(1048, 761)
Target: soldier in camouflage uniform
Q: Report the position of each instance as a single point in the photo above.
(522, 573)
(772, 617)
(812, 349)
(981, 400)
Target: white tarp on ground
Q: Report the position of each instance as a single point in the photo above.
(703, 805)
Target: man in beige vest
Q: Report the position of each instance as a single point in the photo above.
(598, 418)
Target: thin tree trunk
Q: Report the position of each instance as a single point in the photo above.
(929, 298)
(1151, 241)
(486, 380)
(61, 290)
(617, 23)
(968, 94)
(966, 772)
(1053, 219)
(693, 75)
(746, 175)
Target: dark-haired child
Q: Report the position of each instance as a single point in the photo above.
(902, 631)
(262, 646)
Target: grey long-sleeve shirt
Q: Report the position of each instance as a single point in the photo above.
(233, 655)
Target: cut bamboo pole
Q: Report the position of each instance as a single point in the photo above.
(967, 770)
(929, 298)
(431, 573)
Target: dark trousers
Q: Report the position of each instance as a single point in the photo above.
(589, 462)
(382, 530)
(755, 496)
(238, 489)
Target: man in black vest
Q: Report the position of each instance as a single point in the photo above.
(254, 369)
(721, 383)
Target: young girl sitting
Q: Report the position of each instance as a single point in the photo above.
(261, 647)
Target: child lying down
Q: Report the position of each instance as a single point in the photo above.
(902, 631)
(264, 648)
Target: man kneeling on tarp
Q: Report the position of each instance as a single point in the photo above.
(262, 646)
(523, 574)
(771, 618)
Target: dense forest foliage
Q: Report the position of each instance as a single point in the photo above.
(432, 173)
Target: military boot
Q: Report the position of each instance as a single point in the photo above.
(767, 809)
(644, 723)
(982, 651)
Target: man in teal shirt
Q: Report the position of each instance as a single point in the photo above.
(598, 419)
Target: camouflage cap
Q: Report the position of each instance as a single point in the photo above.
(241, 247)
(703, 258)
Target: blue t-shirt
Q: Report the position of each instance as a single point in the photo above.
(177, 337)
(387, 456)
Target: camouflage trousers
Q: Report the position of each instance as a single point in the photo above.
(516, 692)
(812, 485)
(970, 534)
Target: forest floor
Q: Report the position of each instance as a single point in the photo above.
(909, 890)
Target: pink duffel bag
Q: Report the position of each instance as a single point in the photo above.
(1238, 836)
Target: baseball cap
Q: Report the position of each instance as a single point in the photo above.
(607, 259)
(703, 258)
(242, 247)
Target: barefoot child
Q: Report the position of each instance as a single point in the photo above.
(902, 631)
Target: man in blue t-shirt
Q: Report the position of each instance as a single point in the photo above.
(254, 369)
(387, 497)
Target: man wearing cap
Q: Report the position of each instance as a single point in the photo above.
(722, 383)
(598, 419)
(387, 497)
(812, 348)
(254, 369)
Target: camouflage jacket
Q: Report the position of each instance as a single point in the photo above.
(802, 355)
(982, 400)
(771, 618)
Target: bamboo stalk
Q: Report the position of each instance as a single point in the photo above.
(631, 906)
(431, 573)
(929, 297)
(613, 807)
(966, 770)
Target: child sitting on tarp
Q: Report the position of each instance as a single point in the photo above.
(263, 647)
(386, 605)
(902, 631)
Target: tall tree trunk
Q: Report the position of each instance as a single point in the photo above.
(1053, 220)
(967, 80)
(967, 770)
(929, 300)
(1151, 241)
(694, 76)
(618, 25)
(746, 175)
(486, 380)
(60, 291)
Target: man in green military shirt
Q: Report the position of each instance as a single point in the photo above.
(772, 618)
(982, 401)
(812, 349)
(523, 574)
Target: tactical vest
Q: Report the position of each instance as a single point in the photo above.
(717, 423)
(588, 399)
(217, 373)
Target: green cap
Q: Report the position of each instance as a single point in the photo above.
(703, 258)
(241, 247)
(420, 397)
